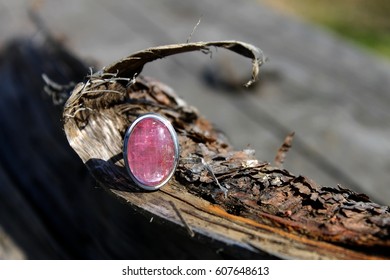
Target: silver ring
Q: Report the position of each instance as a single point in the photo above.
(151, 151)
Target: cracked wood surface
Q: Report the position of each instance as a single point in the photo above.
(226, 195)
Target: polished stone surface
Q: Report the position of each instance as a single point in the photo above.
(150, 152)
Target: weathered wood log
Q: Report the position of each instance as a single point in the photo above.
(50, 207)
(225, 195)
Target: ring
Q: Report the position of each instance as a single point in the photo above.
(151, 151)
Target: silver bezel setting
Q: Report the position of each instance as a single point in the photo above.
(175, 142)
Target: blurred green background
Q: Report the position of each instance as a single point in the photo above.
(362, 21)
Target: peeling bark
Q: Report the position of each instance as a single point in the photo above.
(218, 192)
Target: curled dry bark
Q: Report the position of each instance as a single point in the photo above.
(216, 191)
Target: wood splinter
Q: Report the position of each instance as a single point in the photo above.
(283, 150)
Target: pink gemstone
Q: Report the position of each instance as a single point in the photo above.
(151, 152)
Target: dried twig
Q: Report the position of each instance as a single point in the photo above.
(283, 150)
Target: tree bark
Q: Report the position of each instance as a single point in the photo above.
(217, 194)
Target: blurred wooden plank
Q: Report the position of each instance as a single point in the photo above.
(8, 249)
(331, 93)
